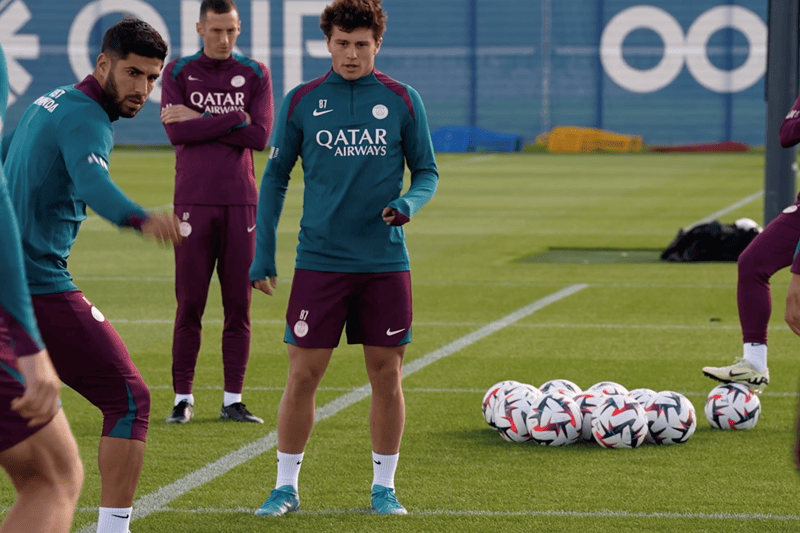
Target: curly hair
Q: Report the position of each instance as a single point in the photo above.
(131, 35)
(349, 15)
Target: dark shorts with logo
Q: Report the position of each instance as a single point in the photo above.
(91, 358)
(13, 428)
(373, 309)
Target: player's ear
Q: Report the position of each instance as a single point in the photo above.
(102, 67)
(378, 44)
(198, 26)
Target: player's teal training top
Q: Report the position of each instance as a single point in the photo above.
(14, 295)
(353, 138)
(56, 163)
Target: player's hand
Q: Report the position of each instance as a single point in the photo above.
(163, 228)
(249, 119)
(393, 217)
(177, 113)
(266, 286)
(39, 403)
(792, 316)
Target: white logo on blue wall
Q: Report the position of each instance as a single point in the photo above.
(17, 46)
(80, 33)
(691, 49)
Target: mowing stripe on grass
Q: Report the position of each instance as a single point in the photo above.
(606, 513)
(155, 501)
(726, 210)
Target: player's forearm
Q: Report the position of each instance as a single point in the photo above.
(108, 201)
(203, 129)
(270, 205)
(423, 186)
(254, 136)
(5, 144)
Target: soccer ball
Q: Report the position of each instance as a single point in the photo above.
(495, 392)
(588, 402)
(511, 414)
(642, 395)
(560, 386)
(732, 406)
(511, 387)
(671, 418)
(609, 388)
(555, 420)
(619, 422)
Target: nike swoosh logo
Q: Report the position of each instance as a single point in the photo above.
(376, 462)
(389, 332)
(120, 516)
(250, 230)
(192, 78)
(317, 112)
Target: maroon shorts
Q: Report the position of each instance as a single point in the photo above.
(91, 358)
(375, 307)
(13, 428)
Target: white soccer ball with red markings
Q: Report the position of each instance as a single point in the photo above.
(587, 403)
(492, 396)
(619, 422)
(609, 388)
(732, 406)
(560, 386)
(671, 418)
(511, 414)
(642, 395)
(554, 420)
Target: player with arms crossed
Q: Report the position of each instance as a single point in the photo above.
(353, 127)
(216, 109)
(57, 164)
(37, 448)
(772, 250)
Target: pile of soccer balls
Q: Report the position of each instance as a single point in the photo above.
(559, 413)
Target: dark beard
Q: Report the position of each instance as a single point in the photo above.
(113, 102)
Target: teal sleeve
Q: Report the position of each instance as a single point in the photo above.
(285, 150)
(14, 295)
(86, 148)
(418, 150)
(5, 145)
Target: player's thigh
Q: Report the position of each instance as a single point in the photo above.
(196, 255)
(88, 353)
(317, 308)
(236, 251)
(775, 247)
(381, 314)
(50, 454)
(13, 427)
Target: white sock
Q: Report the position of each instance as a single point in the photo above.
(231, 398)
(756, 354)
(181, 398)
(383, 467)
(288, 469)
(114, 519)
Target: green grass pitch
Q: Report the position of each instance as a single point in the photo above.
(644, 325)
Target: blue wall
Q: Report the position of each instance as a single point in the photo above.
(674, 71)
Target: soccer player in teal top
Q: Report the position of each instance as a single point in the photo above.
(37, 448)
(354, 128)
(57, 164)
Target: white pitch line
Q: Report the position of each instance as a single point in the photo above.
(725, 211)
(155, 501)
